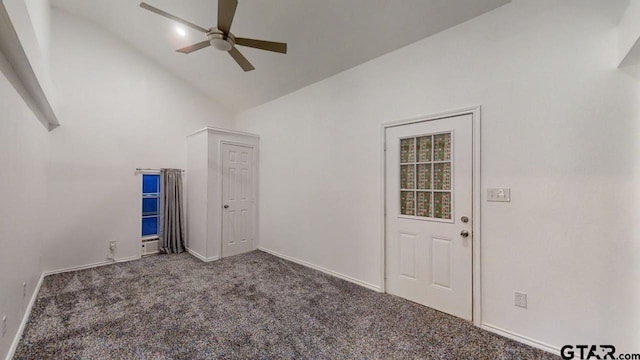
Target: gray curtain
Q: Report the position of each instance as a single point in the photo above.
(172, 225)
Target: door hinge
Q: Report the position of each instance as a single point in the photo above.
(385, 147)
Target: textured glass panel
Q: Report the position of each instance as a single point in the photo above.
(442, 147)
(442, 205)
(407, 150)
(424, 176)
(424, 148)
(150, 184)
(150, 206)
(407, 203)
(150, 226)
(407, 177)
(442, 176)
(424, 204)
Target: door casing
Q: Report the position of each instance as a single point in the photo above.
(476, 198)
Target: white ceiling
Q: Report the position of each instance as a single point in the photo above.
(324, 38)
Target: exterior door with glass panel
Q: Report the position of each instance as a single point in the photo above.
(428, 213)
(237, 199)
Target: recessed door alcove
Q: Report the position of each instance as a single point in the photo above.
(222, 179)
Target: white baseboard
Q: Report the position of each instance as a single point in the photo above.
(94, 265)
(321, 269)
(25, 319)
(202, 258)
(129, 258)
(76, 268)
(520, 338)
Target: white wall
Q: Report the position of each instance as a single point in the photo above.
(119, 111)
(198, 192)
(23, 186)
(560, 126)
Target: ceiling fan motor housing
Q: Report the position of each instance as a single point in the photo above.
(220, 40)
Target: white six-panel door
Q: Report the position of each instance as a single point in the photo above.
(237, 199)
(428, 213)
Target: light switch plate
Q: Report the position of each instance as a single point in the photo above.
(499, 194)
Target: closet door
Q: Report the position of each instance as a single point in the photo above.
(237, 199)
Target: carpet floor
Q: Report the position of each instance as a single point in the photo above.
(251, 306)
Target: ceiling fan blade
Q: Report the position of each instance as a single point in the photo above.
(262, 44)
(172, 17)
(241, 60)
(226, 12)
(191, 48)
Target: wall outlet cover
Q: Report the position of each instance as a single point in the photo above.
(520, 299)
(112, 250)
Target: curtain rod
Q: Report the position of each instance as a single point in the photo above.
(150, 169)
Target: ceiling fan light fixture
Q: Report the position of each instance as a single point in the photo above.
(221, 44)
(221, 41)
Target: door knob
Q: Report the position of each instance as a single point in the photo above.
(226, 206)
(464, 233)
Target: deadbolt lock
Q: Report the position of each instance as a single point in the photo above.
(464, 219)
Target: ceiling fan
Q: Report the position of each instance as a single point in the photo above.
(220, 37)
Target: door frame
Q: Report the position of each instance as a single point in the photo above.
(254, 187)
(474, 111)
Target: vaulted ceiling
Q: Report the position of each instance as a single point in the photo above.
(324, 38)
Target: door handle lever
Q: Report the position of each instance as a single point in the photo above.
(464, 233)
(226, 206)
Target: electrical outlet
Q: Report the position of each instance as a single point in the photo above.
(112, 249)
(520, 299)
(4, 325)
(24, 289)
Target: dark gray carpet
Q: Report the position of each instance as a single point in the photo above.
(251, 306)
